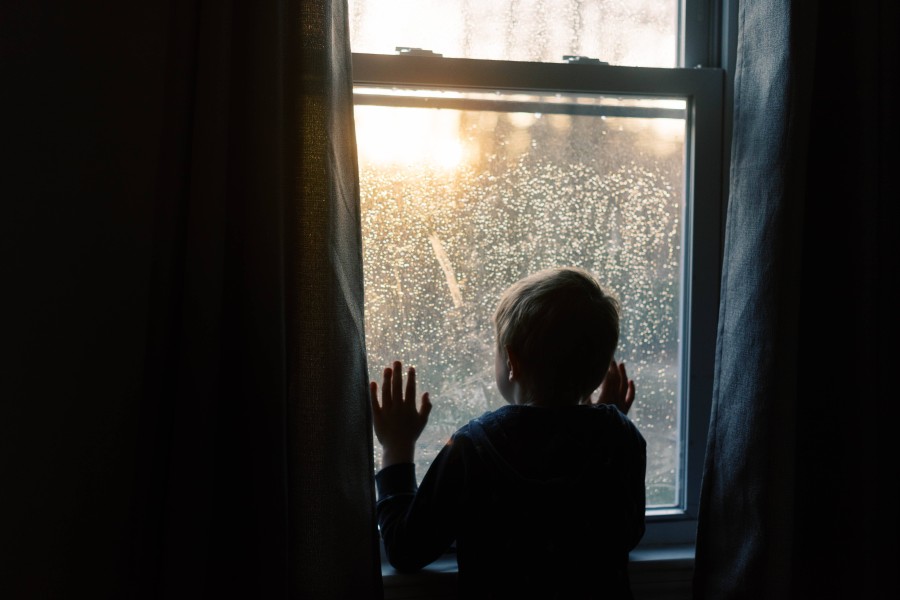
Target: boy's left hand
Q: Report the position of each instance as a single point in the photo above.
(397, 422)
(616, 388)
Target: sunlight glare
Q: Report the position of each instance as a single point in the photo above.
(409, 137)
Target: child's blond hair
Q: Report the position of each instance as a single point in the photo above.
(563, 328)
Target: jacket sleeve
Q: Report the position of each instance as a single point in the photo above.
(638, 471)
(418, 525)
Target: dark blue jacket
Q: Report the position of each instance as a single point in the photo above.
(542, 503)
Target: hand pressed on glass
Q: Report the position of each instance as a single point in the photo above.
(398, 423)
(616, 388)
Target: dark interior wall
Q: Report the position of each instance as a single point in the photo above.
(81, 95)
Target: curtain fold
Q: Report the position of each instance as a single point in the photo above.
(184, 405)
(257, 464)
(796, 481)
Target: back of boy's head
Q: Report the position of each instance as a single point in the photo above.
(564, 330)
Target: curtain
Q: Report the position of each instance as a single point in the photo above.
(267, 277)
(798, 493)
(185, 183)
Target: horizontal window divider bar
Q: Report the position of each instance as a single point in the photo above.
(382, 70)
(517, 106)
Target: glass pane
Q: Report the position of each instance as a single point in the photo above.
(457, 204)
(621, 32)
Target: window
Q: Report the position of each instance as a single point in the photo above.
(478, 170)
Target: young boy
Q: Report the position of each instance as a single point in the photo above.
(544, 497)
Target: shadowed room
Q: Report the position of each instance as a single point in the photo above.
(221, 220)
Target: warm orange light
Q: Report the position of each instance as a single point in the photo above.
(409, 137)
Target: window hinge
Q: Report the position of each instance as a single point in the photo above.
(404, 51)
(573, 59)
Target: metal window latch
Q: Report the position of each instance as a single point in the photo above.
(574, 59)
(404, 51)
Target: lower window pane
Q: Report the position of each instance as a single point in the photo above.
(458, 203)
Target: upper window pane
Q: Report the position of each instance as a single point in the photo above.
(640, 33)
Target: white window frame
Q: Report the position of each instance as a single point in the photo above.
(707, 90)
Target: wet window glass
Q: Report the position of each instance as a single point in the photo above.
(621, 32)
(458, 203)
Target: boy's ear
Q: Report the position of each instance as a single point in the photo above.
(513, 364)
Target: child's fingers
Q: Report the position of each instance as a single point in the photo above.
(386, 399)
(373, 396)
(612, 377)
(426, 407)
(397, 384)
(623, 378)
(629, 396)
(411, 387)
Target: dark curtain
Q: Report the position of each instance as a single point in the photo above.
(800, 486)
(184, 398)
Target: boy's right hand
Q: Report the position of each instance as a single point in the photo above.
(397, 422)
(616, 388)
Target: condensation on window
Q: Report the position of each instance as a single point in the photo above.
(621, 32)
(457, 205)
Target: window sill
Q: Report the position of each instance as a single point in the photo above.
(661, 573)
